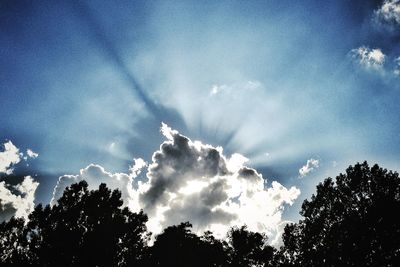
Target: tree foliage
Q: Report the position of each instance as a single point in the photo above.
(85, 228)
(249, 248)
(178, 246)
(349, 221)
(352, 221)
(90, 228)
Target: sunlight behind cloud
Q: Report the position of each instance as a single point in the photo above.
(191, 181)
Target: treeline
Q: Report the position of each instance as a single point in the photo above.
(352, 221)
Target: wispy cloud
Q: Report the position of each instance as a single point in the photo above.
(311, 165)
(370, 59)
(376, 61)
(239, 89)
(389, 14)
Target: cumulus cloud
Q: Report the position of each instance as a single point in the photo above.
(137, 167)
(389, 13)
(196, 182)
(95, 175)
(191, 181)
(310, 166)
(9, 157)
(370, 59)
(17, 200)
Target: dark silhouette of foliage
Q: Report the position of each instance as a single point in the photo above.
(215, 250)
(249, 248)
(13, 250)
(85, 228)
(178, 246)
(350, 222)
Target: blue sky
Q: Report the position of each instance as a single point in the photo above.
(280, 82)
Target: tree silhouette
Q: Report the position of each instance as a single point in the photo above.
(249, 248)
(13, 250)
(86, 228)
(178, 246)
(214, 251)
(350, 222)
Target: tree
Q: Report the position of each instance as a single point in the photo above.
(350, 222)
(13, 250)
(179, 246)
(86, 228)
(249, 248)
(214, 251)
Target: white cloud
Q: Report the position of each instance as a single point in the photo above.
(17, 200)
(9, 157)
(192, 181)
(368, 58)
(31, 153)
(95, 175)
(137, 167)
(389, 13)
(310, 166)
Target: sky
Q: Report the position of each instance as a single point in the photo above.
(216, 112)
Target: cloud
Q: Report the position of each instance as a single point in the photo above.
(137, 167)
(9, 157)
(310, 166)
(375, 59)
(95, 175)
(370, 59)
(191, 181)
(196, 182)
(389, 14)
(17, 200)
(31, 153)
(236, 89)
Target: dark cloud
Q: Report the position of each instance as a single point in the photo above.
(192, 181)
(177, 162)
